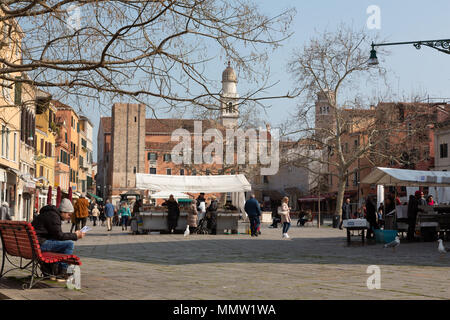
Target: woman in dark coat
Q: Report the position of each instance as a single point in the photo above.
(173, 213)
(371, 216)
(211, 213)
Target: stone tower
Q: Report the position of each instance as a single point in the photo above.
(128, 145)
(229, 112)
(324, 112)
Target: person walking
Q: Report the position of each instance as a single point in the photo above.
(192, 218)
(109, 214)
(253, 210)
(346, 212)
(285, 213)
(125, 214)
(81, 212)
(102, 216)
(173, 213)
(95, 214)
(211, 213)
(201, 206)
(371, 216)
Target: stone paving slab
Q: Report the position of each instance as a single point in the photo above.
(313, 264)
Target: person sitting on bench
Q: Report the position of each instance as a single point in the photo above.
(47, 226)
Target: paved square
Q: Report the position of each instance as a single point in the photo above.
(313, 264)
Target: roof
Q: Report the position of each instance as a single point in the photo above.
(194, 184)
(167, 126)
(403, 177)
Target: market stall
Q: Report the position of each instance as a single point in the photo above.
(432, 219)
(155, 218)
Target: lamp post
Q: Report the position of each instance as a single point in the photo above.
(442, 45)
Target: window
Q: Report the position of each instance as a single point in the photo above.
(152, 170)
(65, 136)
(181, 172)
(41, 171)
(168, 172)
(167, 157)
(152, 156)
(83, 143)
(194, 172)
(355, 178)
(444, 150)
(230, 107)
(134, 170)
(15, 146)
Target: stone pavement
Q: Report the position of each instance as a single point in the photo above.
(313, 264)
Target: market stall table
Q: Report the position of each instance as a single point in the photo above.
(356, 224)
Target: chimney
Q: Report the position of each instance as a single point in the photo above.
(268, 127)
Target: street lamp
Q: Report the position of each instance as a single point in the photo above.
(442, 45)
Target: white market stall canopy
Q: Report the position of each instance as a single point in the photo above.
(194, 184)
(407, 178)
(166, 195)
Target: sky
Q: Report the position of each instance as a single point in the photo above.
(410, 71)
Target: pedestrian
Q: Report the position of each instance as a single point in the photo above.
(371, 216)
(346, 212)
(95, 214)
(201, 206)
(81, 211)
(47, 226)
(102, 216)
(285, 213)
(430, 200)
(413, 208)
(173, 213)
(211, 213)
(380, 215)
(109, 214)
(192, 218)
(4, 211)
(253, 210)
(125, 214)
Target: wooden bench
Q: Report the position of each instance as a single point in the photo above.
(19, 239)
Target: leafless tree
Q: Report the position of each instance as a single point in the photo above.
(331, 72)
(153, 52)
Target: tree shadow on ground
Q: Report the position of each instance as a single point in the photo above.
(199, 249)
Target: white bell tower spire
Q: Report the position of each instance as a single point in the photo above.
(229, 112)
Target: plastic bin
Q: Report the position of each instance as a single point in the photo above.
(336, 220)
(385, 236)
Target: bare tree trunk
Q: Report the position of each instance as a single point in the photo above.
(340, 195)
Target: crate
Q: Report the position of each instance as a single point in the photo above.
(385, 236)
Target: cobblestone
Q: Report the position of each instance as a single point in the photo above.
(313, 264)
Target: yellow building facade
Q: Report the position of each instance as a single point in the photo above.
(10, 117)
(46, 132)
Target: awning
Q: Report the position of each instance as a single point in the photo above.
(407, 178)
(97, 198)
(194, 184)
(166, 195)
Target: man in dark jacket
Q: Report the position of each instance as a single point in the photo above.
(346, 212)
(50, 235)
(371, 217)
(253, 210)
(212, 215)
